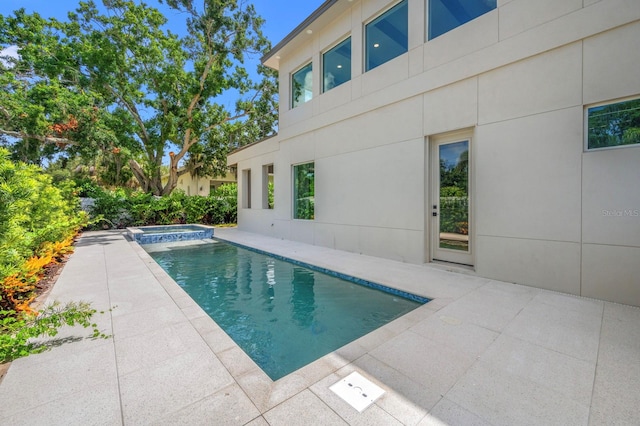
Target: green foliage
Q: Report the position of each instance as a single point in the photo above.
(122, 89)
(457, 175)
(454, 214)
(87, 187)
(17, 331)
(614, 124)
(452, 191)
(454, 200)
(226, 198)
(304, 191)
(111, 207)
(32, 212)
(119, 209)
(270, 196)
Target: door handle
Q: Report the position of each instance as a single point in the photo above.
(434, 214)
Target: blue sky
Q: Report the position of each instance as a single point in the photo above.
(281, 16)
(451, 152)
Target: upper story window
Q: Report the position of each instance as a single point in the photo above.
(336, 65)
(386, 37)
(445, 15)
(302, 85)
(612, 125)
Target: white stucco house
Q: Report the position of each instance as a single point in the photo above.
(202, 185)
(503, 135)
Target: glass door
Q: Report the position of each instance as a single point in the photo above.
(450, 201)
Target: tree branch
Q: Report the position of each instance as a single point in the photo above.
(5, 112)
(45, 139)
(132, 110)
(182, 172)
(203, 79)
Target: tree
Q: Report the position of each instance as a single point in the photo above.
(455, 176)
(43, 109)
(156, 91)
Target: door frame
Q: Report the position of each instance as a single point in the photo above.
(436, 253)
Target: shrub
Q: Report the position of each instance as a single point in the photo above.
(33, 215)
(226, 203)
(38, 221)
(119, 209)
(454, 214)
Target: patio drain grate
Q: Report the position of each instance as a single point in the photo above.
(357, 391)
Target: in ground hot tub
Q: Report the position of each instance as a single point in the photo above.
(169, 233)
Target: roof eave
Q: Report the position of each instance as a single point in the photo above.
(297, 30)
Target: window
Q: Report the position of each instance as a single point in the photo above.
(246, 186)
(302, 86)
(445, 15)
(614, 124)
(386, 37)
(267, 186)
(303, 191)
(336, 65)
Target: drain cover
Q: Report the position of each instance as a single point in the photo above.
(357, 391)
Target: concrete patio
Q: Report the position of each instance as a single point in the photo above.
(481, 353)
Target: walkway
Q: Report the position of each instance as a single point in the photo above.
(481, 353)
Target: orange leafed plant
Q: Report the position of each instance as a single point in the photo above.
(18, 288)
(59, 248)
(18, 292)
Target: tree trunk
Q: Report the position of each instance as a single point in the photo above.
(172, 181)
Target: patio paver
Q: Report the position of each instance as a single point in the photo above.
(482, 352)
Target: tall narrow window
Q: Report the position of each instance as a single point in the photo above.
(267, 186)
(387, 36)
(336, 65)
(304, 191)
(445, 15)
(302, 85)
(614, 124)
(246, 186)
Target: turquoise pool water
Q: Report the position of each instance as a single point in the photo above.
(282, 315)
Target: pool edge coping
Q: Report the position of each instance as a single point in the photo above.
(264, 392)
(356, 280)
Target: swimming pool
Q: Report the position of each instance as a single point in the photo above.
(282, 315)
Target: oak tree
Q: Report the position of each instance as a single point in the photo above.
(118, 78)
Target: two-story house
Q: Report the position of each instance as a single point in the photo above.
(499, 134)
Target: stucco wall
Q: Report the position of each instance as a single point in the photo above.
(519, 79)
(196, 185)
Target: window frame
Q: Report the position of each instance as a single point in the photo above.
(267, 171)
(246, 188)
(294, 191)
(292, 102)
(323, 62)
(586, 123)
(365, 51)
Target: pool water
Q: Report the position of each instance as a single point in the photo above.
(282, 315)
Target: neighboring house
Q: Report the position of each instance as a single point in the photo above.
(203, 185)
(503, 135)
